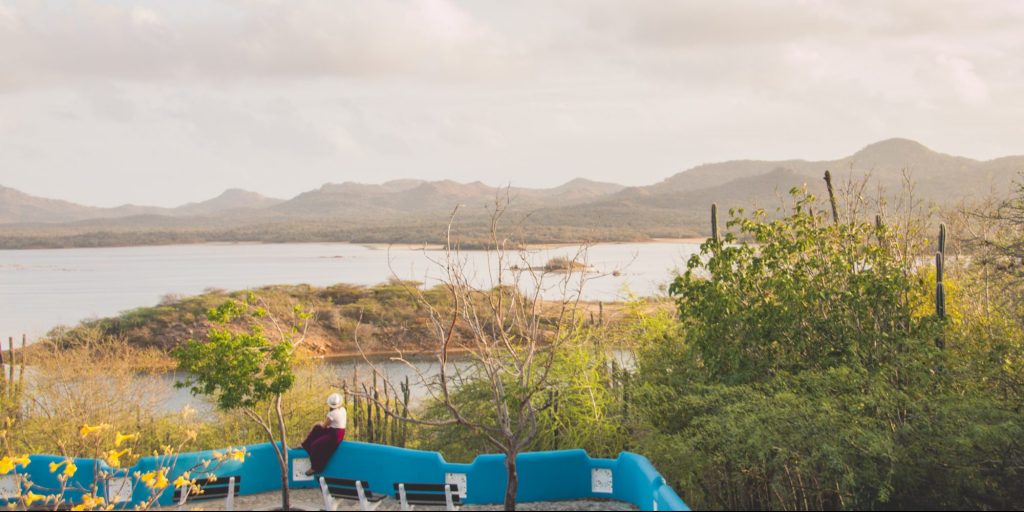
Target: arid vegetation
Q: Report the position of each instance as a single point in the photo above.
(806, 360)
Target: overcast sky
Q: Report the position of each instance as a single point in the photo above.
(167, 101)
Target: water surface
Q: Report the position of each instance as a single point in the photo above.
(40, 289)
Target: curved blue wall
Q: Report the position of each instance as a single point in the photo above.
(543, 476)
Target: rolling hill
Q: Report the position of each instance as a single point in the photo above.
(415, 211)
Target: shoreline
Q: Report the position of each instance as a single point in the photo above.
(376, 246)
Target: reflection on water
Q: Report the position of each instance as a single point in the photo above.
(40, 289)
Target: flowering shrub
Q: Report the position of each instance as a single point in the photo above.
(112, 452)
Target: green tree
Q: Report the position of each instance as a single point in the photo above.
(806, 373)
(245, 371)
(798, 293)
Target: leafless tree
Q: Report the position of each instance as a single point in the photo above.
(505, 330)
(992, 233)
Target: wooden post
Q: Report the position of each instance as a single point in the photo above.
(10, 381)
(3, 382)
(21, 365)
(368, 414)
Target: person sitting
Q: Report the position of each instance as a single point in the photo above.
(325, 437)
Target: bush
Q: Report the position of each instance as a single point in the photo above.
(806, 376)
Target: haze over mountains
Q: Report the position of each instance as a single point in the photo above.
(415, 210)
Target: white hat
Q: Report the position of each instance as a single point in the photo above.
(334, 401)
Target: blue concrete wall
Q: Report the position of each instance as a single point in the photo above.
(543, 476)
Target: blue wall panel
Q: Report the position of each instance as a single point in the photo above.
(543, 476)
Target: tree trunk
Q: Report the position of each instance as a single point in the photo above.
(285, 494)
(513, 481)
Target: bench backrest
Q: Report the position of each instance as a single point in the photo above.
(428, 494)
(346, 489)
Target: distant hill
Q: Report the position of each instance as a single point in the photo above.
(679, 204)
(413, 196)
(231, 199)
(415, 211)
(18, 207)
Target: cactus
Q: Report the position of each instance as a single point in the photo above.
(714, 222)
(940, 297)
(831, 197)
(940, 290)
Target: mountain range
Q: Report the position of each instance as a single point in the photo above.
(416, 210)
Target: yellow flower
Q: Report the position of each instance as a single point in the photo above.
(218, 455)
(89, 502)
(70, 468)
(86, 429)
(211, 479)
(238, 455)
(167, 449)
(7, 464)
(121, 438)
(31, 497)
(191, 435)
(156, 480)
(161, 480)
(114, 457)
(54, 466)
(182, 481)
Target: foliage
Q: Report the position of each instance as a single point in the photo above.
(806, 376)
(799, 293)
(242, 370)
(238, 370)
(583, 408)
(116, 451)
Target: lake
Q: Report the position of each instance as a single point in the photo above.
(40, 289)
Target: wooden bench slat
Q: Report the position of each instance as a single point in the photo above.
(351, 492)
(346, 489)
(428, 487)
(429, 499)
(347, 482)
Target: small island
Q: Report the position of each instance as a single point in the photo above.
(558, 264)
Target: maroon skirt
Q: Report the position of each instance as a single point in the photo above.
(320, 444)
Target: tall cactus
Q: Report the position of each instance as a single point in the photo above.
(714, 222)
(940, 290)
(831, 197)
(942, 239)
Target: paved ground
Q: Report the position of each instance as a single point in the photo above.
(309, 499)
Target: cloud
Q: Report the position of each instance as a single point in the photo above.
(173, 100)
(50, 44)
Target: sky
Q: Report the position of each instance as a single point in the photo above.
(163, 102)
